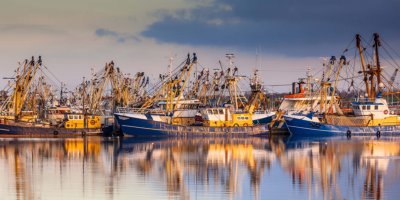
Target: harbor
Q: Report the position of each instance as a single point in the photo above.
(191, 100)
(206, 99)
(203, 133)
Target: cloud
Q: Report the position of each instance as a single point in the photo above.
(120, 38)
(294, 28)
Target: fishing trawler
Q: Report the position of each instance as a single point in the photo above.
(303, 99)
(370, 114)
(178, 115)
(257, 98)
(26, 113)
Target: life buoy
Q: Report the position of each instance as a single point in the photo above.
(236, 125)
(92, 122)
(385, 112)
(378, 134)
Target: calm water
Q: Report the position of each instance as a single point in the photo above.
(253, 168)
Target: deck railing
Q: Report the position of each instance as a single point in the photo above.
(139, 111)
(206, 130)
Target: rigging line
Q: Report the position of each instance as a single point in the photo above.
(369, 43)
(49, 78)
(387, 81)
(390, 63)
(395, 52)
(51, 73)
(276, 85)
(391, 57)
(273, 70)
(199, 64)
(347, 48)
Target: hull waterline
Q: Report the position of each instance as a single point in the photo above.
(144, 126)
(303, 126)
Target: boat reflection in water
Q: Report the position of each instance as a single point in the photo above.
(199, 168)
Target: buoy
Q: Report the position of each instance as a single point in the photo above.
(378, 134)
(385, 112)
(348, 133)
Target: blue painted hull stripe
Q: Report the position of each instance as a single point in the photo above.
(154, 129)
(330, 131)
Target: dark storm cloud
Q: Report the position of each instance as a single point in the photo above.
(292, 27)
(121, 38)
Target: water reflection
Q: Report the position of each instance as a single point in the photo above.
(199, 168)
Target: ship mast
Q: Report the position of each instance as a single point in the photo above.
(364, 71)
(377, 44)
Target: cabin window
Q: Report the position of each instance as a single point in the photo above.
(80, 116)
(364, 107)
(368, 107)
(210, 112)
(70, 117)
(246, 118)
(221, 112)
(376, 107)
(195, 106)
(215, 112)
(75, 117)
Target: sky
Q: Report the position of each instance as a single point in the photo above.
(282, 38)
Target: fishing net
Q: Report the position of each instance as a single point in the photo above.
(348, 121)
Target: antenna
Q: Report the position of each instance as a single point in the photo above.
(230, 57)
(171, 59)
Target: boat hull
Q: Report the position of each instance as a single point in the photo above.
(16, 130)
(144, 126)
(263, 118)
(303, 126)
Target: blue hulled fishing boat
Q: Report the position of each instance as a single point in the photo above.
(367, 115)
(172, 112)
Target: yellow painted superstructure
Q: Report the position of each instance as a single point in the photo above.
(387, 121)
(77, 121)
(222, 117)
(244, 119)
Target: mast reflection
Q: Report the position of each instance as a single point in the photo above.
(198, 167)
